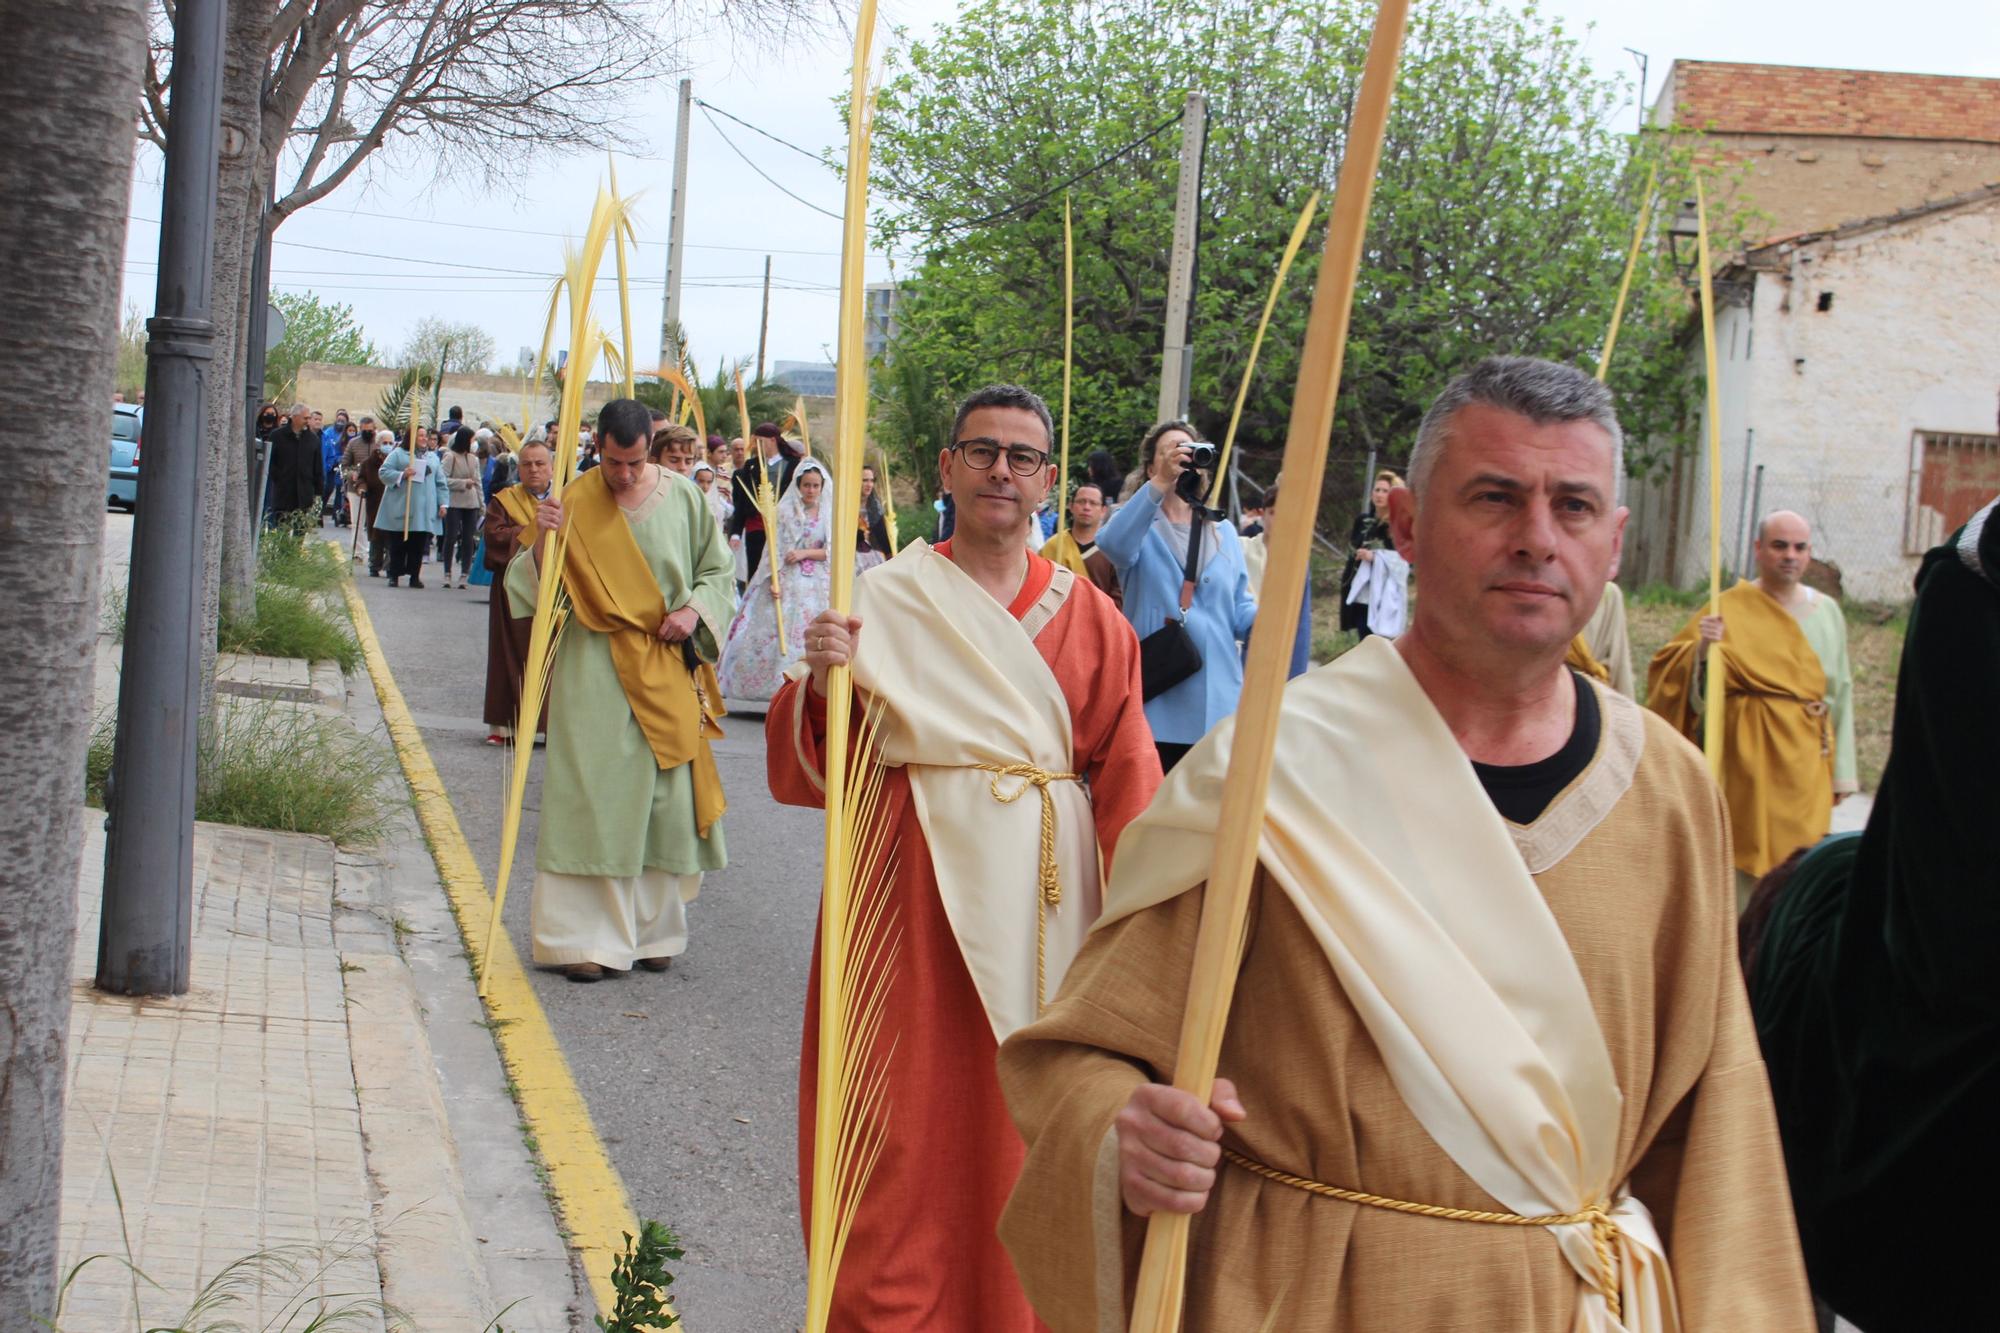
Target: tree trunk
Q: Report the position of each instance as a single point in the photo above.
(230, 571)
(65, 188)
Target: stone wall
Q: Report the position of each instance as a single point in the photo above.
(325, 387)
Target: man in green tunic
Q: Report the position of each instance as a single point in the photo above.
(631, 803)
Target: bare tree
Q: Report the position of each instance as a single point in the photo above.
(65, 184)
(315, 89)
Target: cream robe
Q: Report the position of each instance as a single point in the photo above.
(964, 685)
(1482, 1015)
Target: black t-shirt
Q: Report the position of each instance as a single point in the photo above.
(1522, 791)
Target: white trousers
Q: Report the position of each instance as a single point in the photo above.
(613, 922)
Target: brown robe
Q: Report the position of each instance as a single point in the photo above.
(506, 634)
(1637, 877)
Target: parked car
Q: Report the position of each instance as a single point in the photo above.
(127, 419)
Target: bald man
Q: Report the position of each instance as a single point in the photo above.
(1789, 695)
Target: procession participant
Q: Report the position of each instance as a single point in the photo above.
(412, 508)
(1788, 700)
(747, 520)
(753, 657)
(1074, 545)
(874, 514)
(1256, 551)
(998, 672)
(1877, 1003)
(631, 800)
(674, 447)
(1488, 966)
(1368, 537)
(1602, 648)
(509, 514)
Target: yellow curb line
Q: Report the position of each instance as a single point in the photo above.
(587, 1187)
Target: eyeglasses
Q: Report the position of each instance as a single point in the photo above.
(980, 454)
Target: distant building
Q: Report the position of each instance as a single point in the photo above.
(1858, 375)
(814, 379)
(881, 326)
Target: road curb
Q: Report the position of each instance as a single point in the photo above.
(587, 1189)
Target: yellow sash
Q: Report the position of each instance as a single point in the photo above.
(520, 506)
(1582, 659)
(612, 592)
(1777, 774)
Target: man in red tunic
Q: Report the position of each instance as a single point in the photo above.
(1011, 705)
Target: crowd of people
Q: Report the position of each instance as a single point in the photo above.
(1491, 972)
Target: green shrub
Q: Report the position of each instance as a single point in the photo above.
(294, 555)
(914, 521)
(273, 766)
(1665, 594)
(293, 623)
(641, 1279)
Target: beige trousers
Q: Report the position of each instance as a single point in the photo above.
(610, 921)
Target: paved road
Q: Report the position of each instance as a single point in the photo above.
(691, 1076)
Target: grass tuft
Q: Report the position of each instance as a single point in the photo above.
(273, 766)
(293, 623)
(111, 615)
(295, 555)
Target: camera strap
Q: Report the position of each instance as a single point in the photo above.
(1191, 568)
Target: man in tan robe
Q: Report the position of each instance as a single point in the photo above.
(1488, 966)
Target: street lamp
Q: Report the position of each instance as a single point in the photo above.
(1684, 241)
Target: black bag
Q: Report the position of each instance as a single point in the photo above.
(1167, 657)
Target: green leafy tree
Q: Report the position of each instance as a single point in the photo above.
(766, 399)
(130, 379)
(315, 330)
(1502, 212)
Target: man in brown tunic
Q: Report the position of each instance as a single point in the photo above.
(1488, 967)
(508, 514)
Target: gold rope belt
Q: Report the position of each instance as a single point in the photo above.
(1050, 885)
(1603, 1230)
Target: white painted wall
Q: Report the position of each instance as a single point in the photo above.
(1912, 343)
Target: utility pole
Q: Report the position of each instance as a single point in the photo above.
(764, 325)
(1177, 359)
(255, 347)
(143, 945)
(670, 313)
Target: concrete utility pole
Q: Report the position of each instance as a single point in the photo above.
(764, 325)
(143, 945)
(1177, 360)
(670, 313)
(256, 344)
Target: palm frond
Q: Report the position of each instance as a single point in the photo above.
(858, 941)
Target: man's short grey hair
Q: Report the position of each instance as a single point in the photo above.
(1545, 392)
(296, 409)
(1006, 395)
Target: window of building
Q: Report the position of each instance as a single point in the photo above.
(1951, 476)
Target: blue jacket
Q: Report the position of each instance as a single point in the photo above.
(427, 495)
(331, 446)
(1219, 618)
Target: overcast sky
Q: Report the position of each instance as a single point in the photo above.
(736, 218)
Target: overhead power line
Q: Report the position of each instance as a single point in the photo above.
(802, 152)
(773, 180)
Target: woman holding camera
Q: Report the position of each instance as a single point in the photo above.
(1187, 632)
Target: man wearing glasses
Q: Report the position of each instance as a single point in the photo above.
(1016, 750)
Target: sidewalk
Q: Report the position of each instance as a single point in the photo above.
(289, 1110)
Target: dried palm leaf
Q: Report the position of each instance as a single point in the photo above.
(1625, 282)
(856, 966)
(1069, 359)
(1218, 942)
(1257, 343)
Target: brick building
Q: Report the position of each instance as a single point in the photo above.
(1859, 342)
